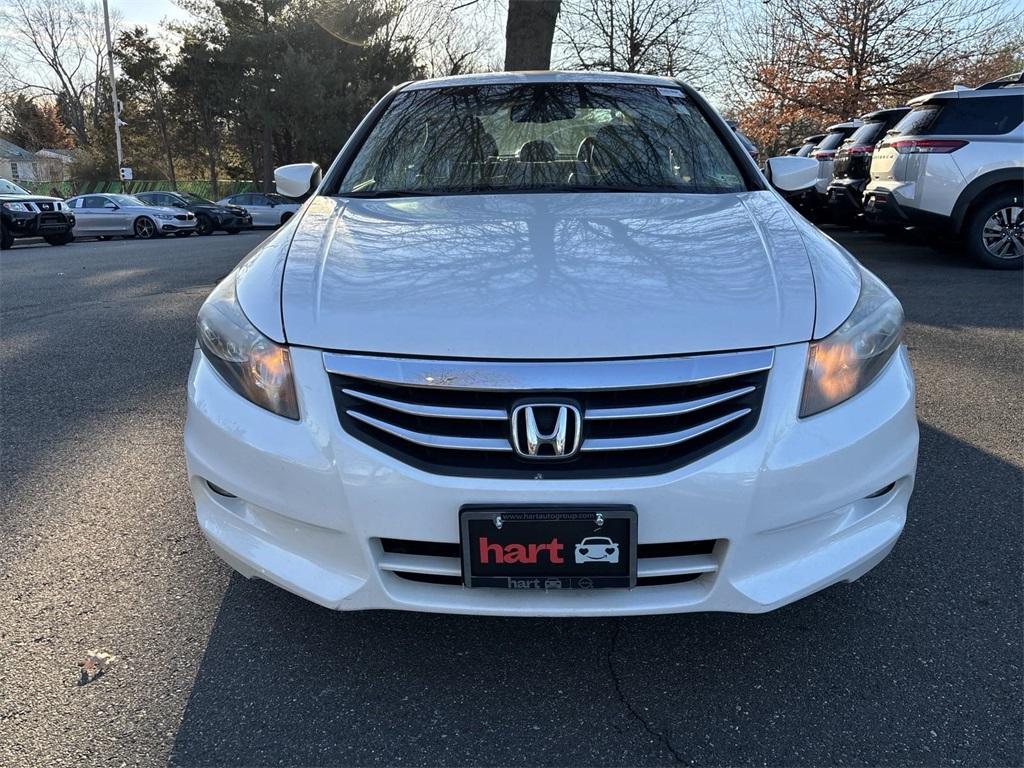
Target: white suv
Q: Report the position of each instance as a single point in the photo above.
(956, 163)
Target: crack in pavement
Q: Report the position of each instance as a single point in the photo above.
(662, 739)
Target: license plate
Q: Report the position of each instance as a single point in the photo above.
(548, 547)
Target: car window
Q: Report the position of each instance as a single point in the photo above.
(869, 133)
(277, 199)
(126, 200)
(542, 137)
(987, 116)
(8, 188)
(194, 199)
(94, 202)
(832, 140)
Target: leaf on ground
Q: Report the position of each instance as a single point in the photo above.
(94, 665)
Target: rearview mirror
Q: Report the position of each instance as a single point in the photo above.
(297, 180)
(792, 174)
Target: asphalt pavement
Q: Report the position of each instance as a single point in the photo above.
(918, 663)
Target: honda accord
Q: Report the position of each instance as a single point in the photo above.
(526, 316)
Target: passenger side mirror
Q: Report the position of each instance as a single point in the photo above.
(297, 180)
(792, 174)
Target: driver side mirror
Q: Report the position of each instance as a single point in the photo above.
(790, 174)
(297, 180)
(110, 206)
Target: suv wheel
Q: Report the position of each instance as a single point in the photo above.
(995, 232)
(6, 240)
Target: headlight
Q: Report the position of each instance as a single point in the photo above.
(254, 366)
(845, 362)
(165, 216)
(16, 207)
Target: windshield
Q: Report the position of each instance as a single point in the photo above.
(9, 188)
(542, 137)
(196, 199)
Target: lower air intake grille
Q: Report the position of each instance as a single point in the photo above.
(433, 562)
(626, 417)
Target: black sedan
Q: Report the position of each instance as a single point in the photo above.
(209, 216)
(23, 214)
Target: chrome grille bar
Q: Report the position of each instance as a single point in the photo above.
(640, 442)
(433, 411)
(449, 442)
(552, 376)
(669, 409)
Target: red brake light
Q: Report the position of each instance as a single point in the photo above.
(926, 146)
(860, 149)
(823, 154)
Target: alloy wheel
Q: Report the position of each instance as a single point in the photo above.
(144, 229)
(1003, 233)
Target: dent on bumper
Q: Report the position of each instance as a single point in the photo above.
(795, 504)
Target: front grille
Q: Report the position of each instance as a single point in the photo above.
(52, 221)
(183, 216)
(657, 564)
(639, 417)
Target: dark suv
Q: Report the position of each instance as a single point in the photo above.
(850, 168)
(23, 214)
(209, 216)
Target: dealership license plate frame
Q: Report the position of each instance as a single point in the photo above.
(559, 518)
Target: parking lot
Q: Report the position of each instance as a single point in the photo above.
(917, 663)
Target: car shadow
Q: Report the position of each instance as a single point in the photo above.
(916, 663)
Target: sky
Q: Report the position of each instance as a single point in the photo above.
(148, 12)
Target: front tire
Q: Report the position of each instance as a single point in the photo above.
(63, 239)
(995, 232)
(204, 226)
(285, 217)
(6, 241)
(144, 229)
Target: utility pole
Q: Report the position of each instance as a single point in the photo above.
(113, 93)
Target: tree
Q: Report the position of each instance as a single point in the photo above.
(144, 67)
(662, 37)
(56, 48)
(817, 61)
(529, 32)
(34, 124)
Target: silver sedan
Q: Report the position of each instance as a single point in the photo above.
(267, 210)
(107, 215)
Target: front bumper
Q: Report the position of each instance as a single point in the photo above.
(178, 226)
(234, 222)
(33, 224)
(795, 506)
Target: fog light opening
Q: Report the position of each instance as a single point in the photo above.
(882, 491)
(220, 491)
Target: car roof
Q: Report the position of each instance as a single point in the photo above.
(844, 124)
(882, 114)
(522, 78)
(988, 90)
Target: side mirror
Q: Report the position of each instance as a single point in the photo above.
(298, 180)
(110, 206)
(792, 174)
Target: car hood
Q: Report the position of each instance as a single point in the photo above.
(29, 199)
(548, 276)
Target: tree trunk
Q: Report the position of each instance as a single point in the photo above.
(529, 30)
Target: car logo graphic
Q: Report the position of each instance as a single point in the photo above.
(546, 430)
(597, 549)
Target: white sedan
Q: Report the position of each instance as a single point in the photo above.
(537, 300)
(267, 210)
